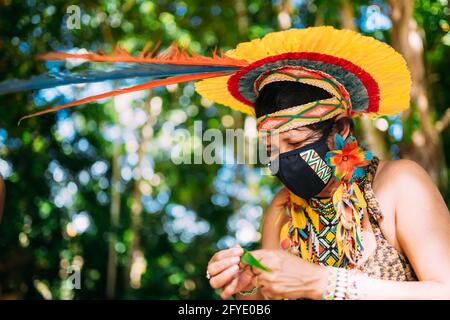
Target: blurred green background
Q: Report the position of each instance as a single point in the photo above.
(95, 187)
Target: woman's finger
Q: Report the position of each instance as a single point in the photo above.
(217, 267)
(264, 261)
(255, 282)
(224, 277)
(261, 254)
(246, 270)
(229, 289)
(265, 278)
(262, 282)
(268, 258)
(235, 251)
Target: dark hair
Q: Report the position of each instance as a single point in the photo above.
(281, 95)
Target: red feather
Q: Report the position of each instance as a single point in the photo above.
(142, 86)
(172, 55)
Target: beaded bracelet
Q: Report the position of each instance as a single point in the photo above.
(343, 284)
(331, 286)
(250, 292)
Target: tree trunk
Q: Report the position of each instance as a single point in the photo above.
(284, 15)
(114, 220)
(242, 18)
(373, 137)
(135, 255)
(426, 147)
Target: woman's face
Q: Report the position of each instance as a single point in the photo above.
(297, 138)
(289, 140)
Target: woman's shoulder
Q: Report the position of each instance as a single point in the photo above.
(398, 184)
(400, 167)
(401, 177)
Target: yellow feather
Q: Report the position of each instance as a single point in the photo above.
(357, 220)
(337, 197)
(298, 219)
(297, 200)
(313, 216)
(284, 231)
(216, 90)
(361, 202)
(304, 251)
(380, 60)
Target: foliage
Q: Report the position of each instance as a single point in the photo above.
(67, 173)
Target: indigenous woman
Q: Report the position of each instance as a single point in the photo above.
(347, 225)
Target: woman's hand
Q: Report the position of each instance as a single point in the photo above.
(226, 273)
(290, 276)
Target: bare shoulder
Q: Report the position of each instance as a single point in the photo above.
(405, 182)
(397, 173)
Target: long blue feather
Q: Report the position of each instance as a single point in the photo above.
(156, 71)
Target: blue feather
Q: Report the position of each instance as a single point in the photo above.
(368, 155)
(54, 79)
(338, 142)
(358, 172)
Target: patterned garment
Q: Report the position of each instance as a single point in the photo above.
(386, 262)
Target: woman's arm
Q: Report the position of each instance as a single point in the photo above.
(423, 232)
(274, 219)
(270, 233)
(422, 224)
(376, 289)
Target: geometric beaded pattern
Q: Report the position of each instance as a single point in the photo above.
(307, 113)
(320, 231)
(328, 251)
(386, 263)
(324, 221)
(297, 116)
(316, 163)
(324, 228)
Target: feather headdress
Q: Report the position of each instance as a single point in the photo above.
(373, 74)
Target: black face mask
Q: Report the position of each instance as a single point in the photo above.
(304, 170)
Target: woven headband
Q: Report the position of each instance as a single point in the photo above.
(311, 112)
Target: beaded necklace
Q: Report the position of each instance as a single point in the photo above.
(311, 230)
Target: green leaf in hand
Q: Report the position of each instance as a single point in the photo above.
(249, 259)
